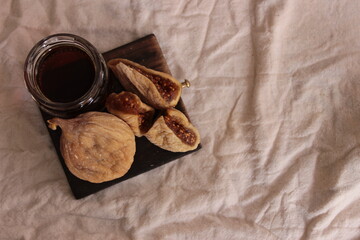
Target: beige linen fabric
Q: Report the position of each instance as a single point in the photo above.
(275, 95)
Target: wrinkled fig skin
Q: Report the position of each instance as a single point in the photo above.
(157, 89)
(173, 132)
(132, 110)
(96, 146)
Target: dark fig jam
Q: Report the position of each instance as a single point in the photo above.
(65, 74)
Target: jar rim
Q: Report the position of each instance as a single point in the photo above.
(40, 50)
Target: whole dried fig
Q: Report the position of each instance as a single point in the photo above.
(96, 146)
(157, 89)
(132, 110)
(172, 131)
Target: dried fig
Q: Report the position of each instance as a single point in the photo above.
(172, 131)
(157, 89)
(96, 146)
(132, 110)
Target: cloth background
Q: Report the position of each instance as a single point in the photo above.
(275, 95)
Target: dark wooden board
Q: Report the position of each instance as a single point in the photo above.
(145, 51)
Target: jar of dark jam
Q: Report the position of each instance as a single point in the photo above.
(66, 75)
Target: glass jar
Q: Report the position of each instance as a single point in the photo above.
(66, 75)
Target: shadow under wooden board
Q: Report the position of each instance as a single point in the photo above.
(145, 51)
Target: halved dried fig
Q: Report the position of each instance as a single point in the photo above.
(172, 131)
(96, 146)
(132, 110)
(158, 89)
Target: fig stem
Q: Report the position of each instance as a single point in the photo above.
(51, 124)
(186, 84)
